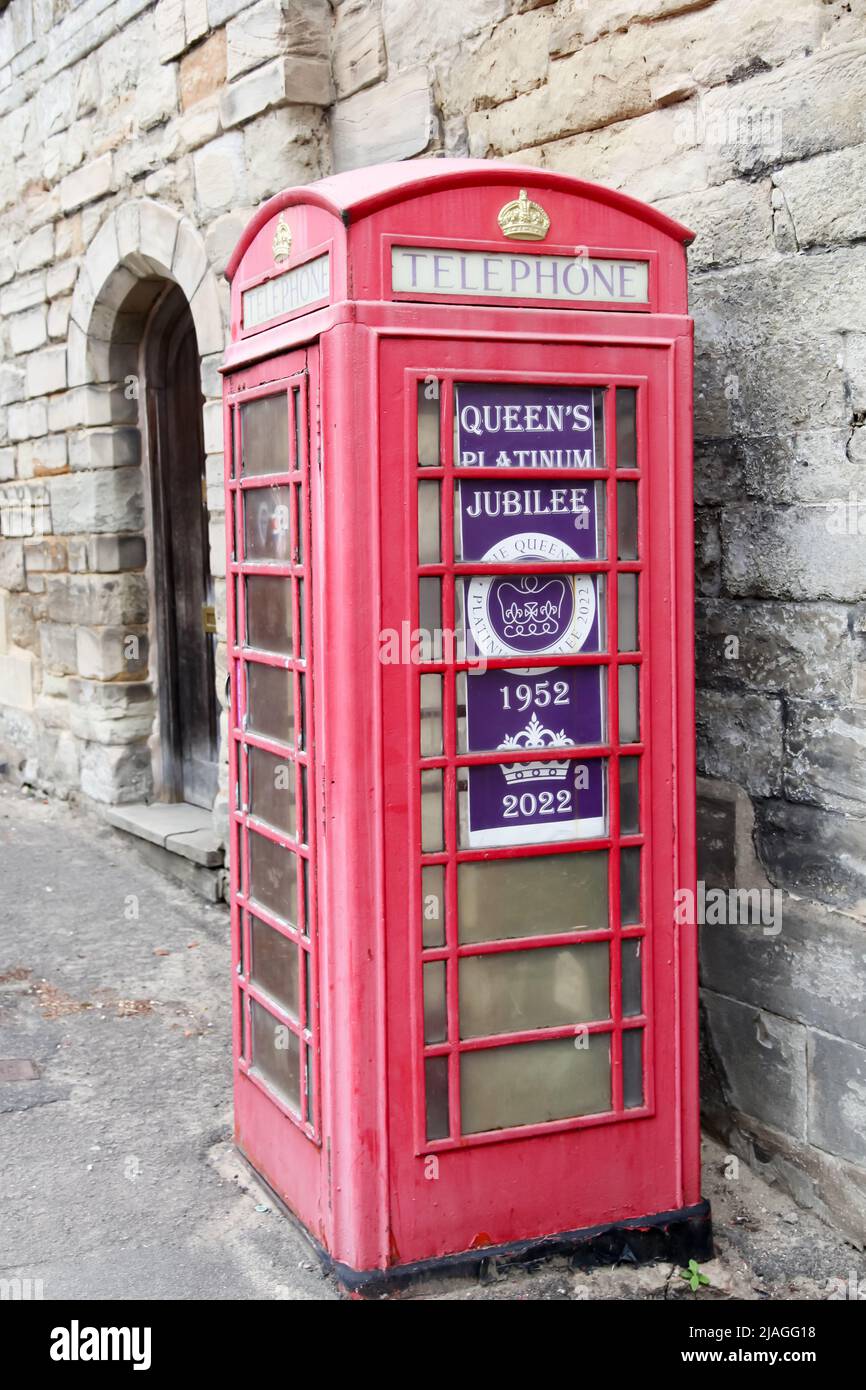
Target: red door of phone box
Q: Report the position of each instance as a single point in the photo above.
(459, 525)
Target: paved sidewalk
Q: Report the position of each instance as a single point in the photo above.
(117, 1177)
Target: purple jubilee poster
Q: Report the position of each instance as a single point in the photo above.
(548, 708)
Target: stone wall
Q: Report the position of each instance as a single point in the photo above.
(743, 119)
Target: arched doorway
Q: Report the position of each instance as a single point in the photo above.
(183, 618)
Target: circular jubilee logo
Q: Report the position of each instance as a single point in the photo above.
(529, 612)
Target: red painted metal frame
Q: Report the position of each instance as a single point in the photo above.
(362, 1181)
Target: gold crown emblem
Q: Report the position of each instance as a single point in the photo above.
(523, 220)
(282, 242)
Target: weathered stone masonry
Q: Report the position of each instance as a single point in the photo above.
(136, 139)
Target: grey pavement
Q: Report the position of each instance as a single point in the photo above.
(117, 1175)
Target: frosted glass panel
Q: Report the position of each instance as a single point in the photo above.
(275, 965)
(276, 1055)
(435, 1017)
(626, 523)
(504, 898)
(430, 618)
(629, 715)
(631, 977)
(267, 526)
(265, 435)
(530, 1083)
(428, 424)
(629, 885)
(273, 877)
(270, 706)
(431, 716)
(627, 612)
(433, 904)
(629, 796)
(626, 427)
(272, 790)
(269, 614)
(429, 550)
(632, 1068)
(436, 1078)
(431, 811)
(542, 988)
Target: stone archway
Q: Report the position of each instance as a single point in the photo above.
(140, 249)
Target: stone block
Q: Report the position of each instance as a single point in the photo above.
(837, 1097)
(156, 100)
(46, 371)
(109, 653)
(791, 553)
(7, 464)
(825, 756)
(36, 250)
(115, 773)
(27, 420)
(57, 645)
(812, 971)
(118, 447)
(740, 739)
(29, 330)
(46, 556)
(761, 1059)
(110, 711)
(415, 33)
(358, 49)
(25, 292)
(108, 500)
(11, 563)
(58, 317)
(98, 600)
(87, 184)
(203, 71)
(213, 427)
(16, 680)
(813, 852)
(286, 81)
(284, 147)
(220, 175)
(804, 649)
(391, 121)
(117, 554)
(12, 384)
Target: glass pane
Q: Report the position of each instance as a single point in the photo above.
(302, 623)
(272, 790)
(500, 424)
(305, 814)
(504, 522)
(436, 1077)
(499, 899)
(551, 707)
(302, 710)
(265, 435)
(631, 980)
(298, 415)
(431, 716)
(629, 720)
(305, 890)
(532, 614)
(626, 427)
(298, 524)
(273, 877)
(429, 548)
(433, 904)
(270, 706)
(269, 614)
(276, 1055)
(629, 885)
(626, 521)
(430, 618)
(428, 423)
(516, 990)
(435, 1012)
(275, 965)
(629, 796)
(431, 811)
(267, 524)
(632, 1068)
(531, 1083)
(626, 589)
(534, 802)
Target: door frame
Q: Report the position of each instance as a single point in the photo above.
(165, 322)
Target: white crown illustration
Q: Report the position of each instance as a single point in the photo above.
(529, 611)
(536, 736)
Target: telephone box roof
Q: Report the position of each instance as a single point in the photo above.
(357, 193)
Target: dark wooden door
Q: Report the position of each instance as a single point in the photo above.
(183, 583)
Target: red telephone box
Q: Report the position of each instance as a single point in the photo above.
(459, 511)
